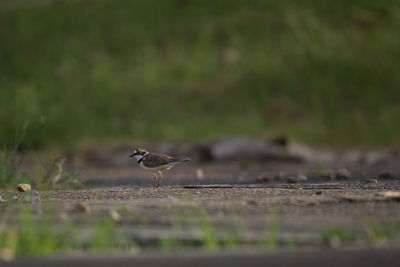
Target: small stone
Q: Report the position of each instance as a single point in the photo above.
(24, 187)
(302, 178)
(1, 199)
(263, 179)
(343, 174)
(372, 181)
(115, 215)
(386, 175)
(82, 207)
(292, 180)
(318, 193)
(199, 174)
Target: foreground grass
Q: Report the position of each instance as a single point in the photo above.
(33, 236)
(24, 231)
(321, 72)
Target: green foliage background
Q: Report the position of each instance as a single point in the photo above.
(323, 72)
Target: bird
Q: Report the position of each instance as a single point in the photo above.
(155, 162)
(55, 171)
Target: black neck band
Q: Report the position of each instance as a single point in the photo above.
(141, 159)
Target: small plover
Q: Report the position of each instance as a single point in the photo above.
(155, 162)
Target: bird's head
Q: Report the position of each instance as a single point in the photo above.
(138, 152)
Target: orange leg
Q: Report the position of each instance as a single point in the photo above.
(155, 180)
(159, 181)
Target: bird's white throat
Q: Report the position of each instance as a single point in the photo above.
(140, 157)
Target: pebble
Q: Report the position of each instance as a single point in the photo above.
(82, 207)
(24, 187)
(343, 174)
(1, 199)
(199, 174)
(386, 175)
(372, 181)
(292, 180)
(318, 193)
(263, 179)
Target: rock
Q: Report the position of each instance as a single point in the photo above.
(24, 187)
(318, 193)
(386, 175)
(1, 199)
(306, 153)
(350, 156)
(343, 174)
(371, 181)
(246, 149)
(263, 179)
(292, 180)
(376, 157)
(82, 207)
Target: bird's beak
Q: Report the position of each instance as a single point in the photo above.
(132, 155)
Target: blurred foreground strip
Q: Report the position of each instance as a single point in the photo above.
(309, 257)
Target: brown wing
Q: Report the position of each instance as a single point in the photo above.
(155, 160)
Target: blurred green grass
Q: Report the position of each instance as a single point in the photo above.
(322, 72)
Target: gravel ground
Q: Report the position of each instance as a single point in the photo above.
(304, 211)
(258, 204)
